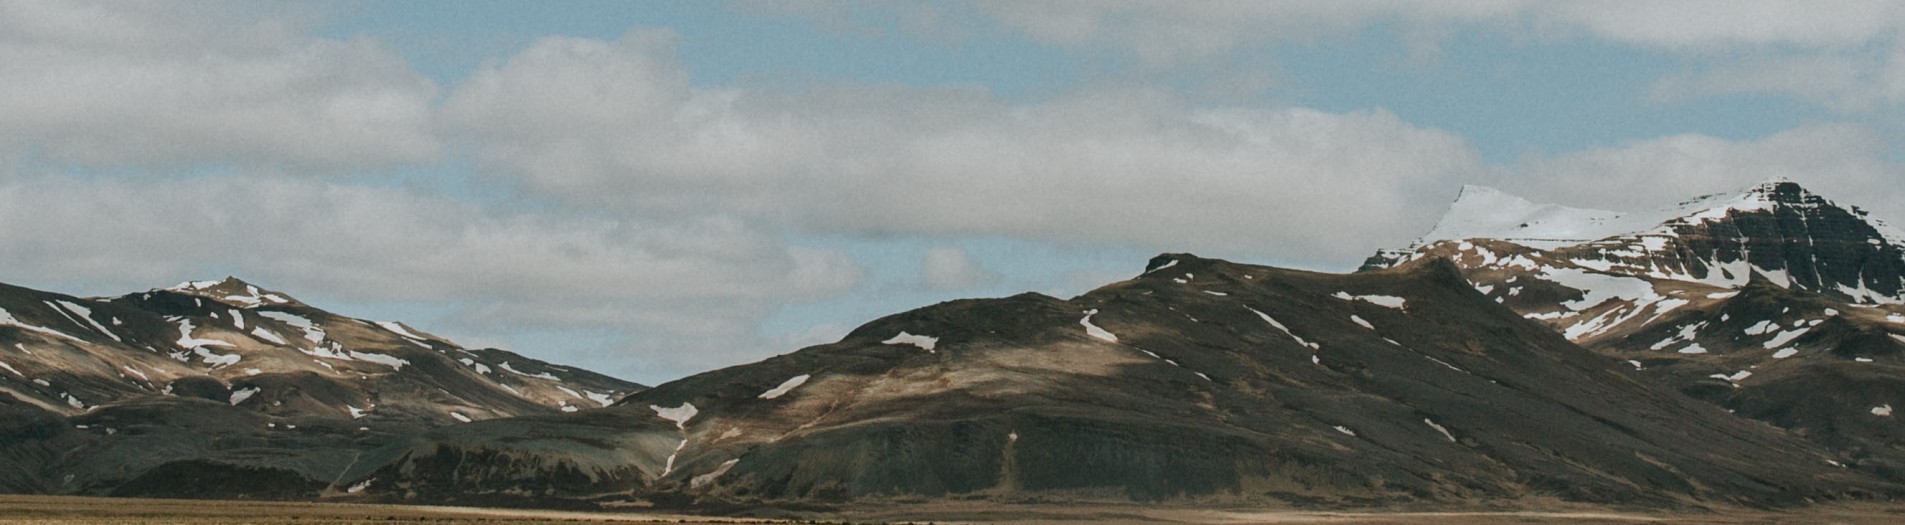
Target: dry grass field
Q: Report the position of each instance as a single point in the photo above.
(46, 510)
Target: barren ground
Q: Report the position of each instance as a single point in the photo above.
(37, 510)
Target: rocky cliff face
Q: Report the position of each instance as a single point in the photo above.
(1199, 379)
(125, 394)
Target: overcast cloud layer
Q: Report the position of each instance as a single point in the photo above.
(593, 185)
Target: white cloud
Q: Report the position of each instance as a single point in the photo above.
(1847, 81)
(388, 244)
(949, 268)
(1170, 30)
(1162, 32)
(1846, 54)
(1712, 24)
(1133, 168)
(1840, 161)
(185, 84)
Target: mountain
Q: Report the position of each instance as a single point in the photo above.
(1773, 302)
(1198, 380)
(245, 390)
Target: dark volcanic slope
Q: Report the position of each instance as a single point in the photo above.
(220, 388)
(1200, 378)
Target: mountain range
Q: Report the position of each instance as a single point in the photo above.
(1736, 349)
(248, 391)
(1199, 379)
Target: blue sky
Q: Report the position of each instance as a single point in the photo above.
(653, 189)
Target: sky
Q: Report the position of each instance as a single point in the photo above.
(656, 189)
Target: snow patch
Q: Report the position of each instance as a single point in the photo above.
(188, 342)
(1093, 330)
(1345, 430)
(1439, 428)
(1597, 288)
(704, 479)
(545, 375)
(194, 285)
(1785, 353)
(1882, 410)
(216, 359)
(311, 330)
(266, 335)
(86, 314)
(7, 319)
(926, 343)
(242, 394)
(1785, 337)
(1761, 328)
(1285, 329)
(460, 417)
(1360, 321)
(1387, 301)
(783, 389)
(399, 330)
(390, 361)
(680, 415)
(1735, 378)
(480, 367)
(1687, 333)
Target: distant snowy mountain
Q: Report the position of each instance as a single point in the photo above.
(1776, 231)
(1774, 302)
(1488, 213)
(215, 375)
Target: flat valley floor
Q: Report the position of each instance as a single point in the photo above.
(38, 510)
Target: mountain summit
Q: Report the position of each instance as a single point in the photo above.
(234, 291)
(1775, 231)
(1774, 302)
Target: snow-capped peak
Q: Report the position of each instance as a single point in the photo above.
(1723, 239)
(1484, 212)
(1488, 213)
(232, 290)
